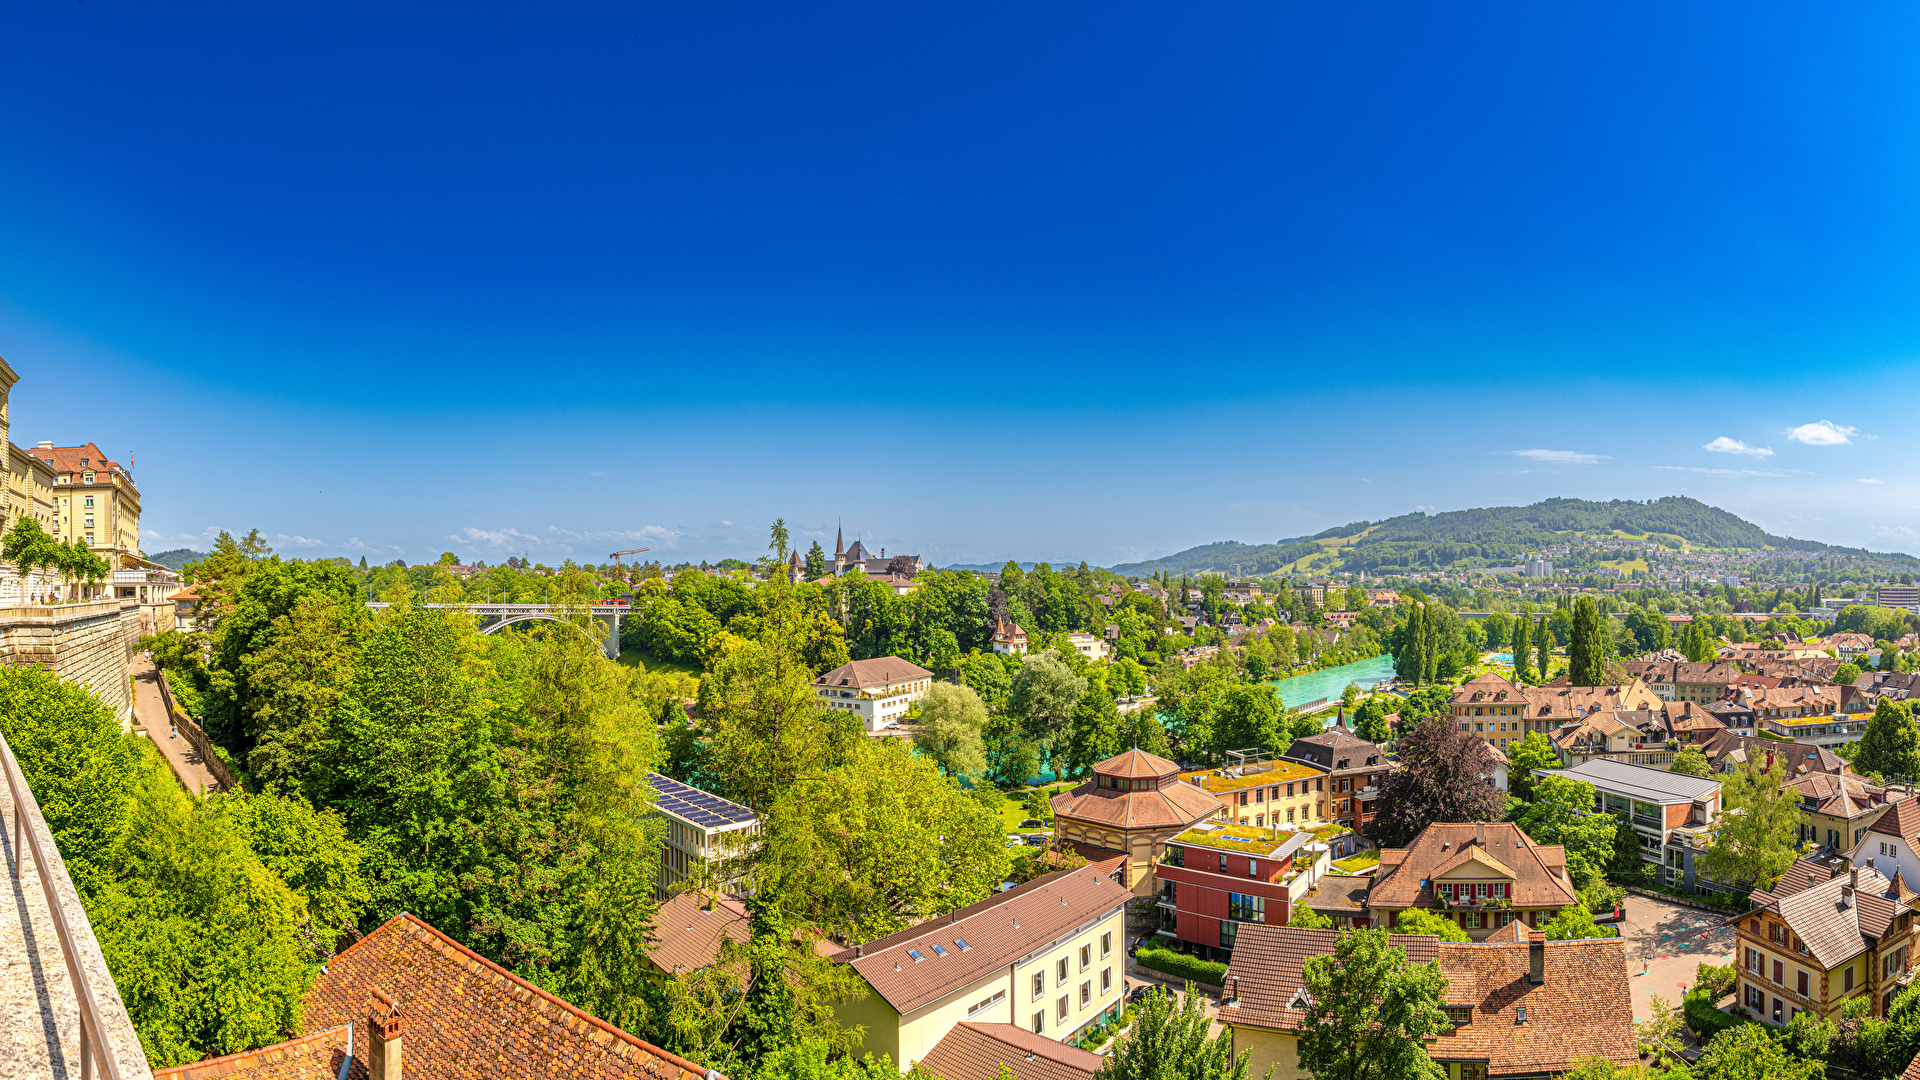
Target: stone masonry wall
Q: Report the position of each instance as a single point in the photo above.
(90, 644)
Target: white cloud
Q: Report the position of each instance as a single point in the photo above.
(1724, 445)
(354, 543)
(1864, 480)
(1560, 457)
(592, 473)
(1822, 433)
(1730, 472)
(724, 523)
(299, 541)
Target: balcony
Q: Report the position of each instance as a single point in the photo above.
(55, 990)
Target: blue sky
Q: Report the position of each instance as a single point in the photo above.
(1051, 281)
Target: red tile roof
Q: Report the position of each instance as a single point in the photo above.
(309, 1057)
(466, 1017)
(1136, 763)
(880, 671)
(998, 930)
(689, 928)
(976, 1052)
(1177, 804)
(68, 458)
(1539, 869)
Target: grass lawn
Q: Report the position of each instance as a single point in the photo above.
(1356, 863)
(636, 658)
(1012, 813)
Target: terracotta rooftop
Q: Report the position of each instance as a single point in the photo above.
(689, 928)
(309, 1057)
(976, 1052)
(1583, 1008)
(1176, 804)
(1405, 876)
(466, 1017)
(880, 671)
(1136, 763)
(996, 932)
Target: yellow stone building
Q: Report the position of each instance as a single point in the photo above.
(95, 502)
(29, 481)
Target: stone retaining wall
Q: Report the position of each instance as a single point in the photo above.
(90, 644)
(190, 727)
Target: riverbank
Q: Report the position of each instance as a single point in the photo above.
(1329, 682)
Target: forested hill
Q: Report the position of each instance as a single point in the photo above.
(178, 558)
(1492, 536)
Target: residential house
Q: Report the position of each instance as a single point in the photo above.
(879, 690)
(1894, 685)
(1263, 793)
(1215, 877)
(407, 992)
(1667, 811)
(1891, 844)
(1734, 713)
(1088, 645)
(1481, 875)
(1382, 598)
(1048, 955)
(1837, 809)
(1353, 767)
(1519, 1008)
(1724, 752)
(690, 927)
(1849, 646)
(1008, 638)
(1639, 736)
(1821, 937)
(1133, 805)
(1684, 681)
(704, 838)
(977, 1051)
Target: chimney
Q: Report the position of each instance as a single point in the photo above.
(1854, 882)
(857, 946)
(1536, 964)
(1480, 833)
(384, 1055)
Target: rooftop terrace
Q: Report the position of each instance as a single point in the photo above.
(1245, 839)
(1261, 775)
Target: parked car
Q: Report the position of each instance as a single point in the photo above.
(1135, 995)
(1038, 839)
(1033, 823)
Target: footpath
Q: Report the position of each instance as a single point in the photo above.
(150, 717)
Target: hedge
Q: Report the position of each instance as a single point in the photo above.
(1705, 1020)
(1183, 966)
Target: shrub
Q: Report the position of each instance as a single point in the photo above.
(1182, 966)
(1705, 1020)
(1716, 980)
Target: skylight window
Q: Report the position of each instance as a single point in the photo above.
(962, 943)
(915, 953)
(938, 951)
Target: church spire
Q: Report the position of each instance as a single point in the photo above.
(839, 540)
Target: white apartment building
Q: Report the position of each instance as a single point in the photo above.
(879, 690)
(1088, 645)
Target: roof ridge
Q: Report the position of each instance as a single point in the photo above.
(207, 1067)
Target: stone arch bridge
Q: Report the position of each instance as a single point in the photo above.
(493, 617)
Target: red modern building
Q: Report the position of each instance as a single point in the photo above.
(1215, 877)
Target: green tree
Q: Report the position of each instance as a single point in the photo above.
(1543, 650)
(299, 679)
(815, 562)
(1043, 696)
(1587, 651)
(952, 719)
(1891, 744)
(1369, 1011)
(1752, 841)
(1169, 1043)
(1691, 762)
(1370, 719)
(1846, 673)
(1306, 918)
(1573, 923)
(1522, 648)
(1561, 811)
(28, 547)
(1425, 921)
(1533, 752)
(1748, 1052)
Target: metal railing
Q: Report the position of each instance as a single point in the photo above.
(26, 809)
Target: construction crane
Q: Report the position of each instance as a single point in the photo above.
(616, 559)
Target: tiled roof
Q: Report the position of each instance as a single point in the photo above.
(1799, 757)
(880, 671)
(1340, 894)
(463, 1016)
(68, 458)
(1832, 918)
(1176, 804)
(1840, 796)
(1486, 688)
(1539, 877)
(1136, 763)
(1902, 819)
(309, 1057)
(689, 928)
(1558, 701)
(1913, 1069)
(976, 1052)
(998, 931)
(1583, 1007)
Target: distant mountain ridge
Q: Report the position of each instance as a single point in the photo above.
(178, 558)
(1491, 536)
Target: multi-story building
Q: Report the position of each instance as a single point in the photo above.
(1481, 875)
(1134, 804)
(1049, 955)
(705, 839)
(1216, 877)
(1666, 810)
(1353, 767)
(1503, 712)
(1263, 793)
(1519, 1006)
(1900, 596)
(1891, 844)
(1088, 645)
(879, 690)
(30, 481)
(1699, 683)
(1819, 938)
(95, 503)
(1837, 809)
